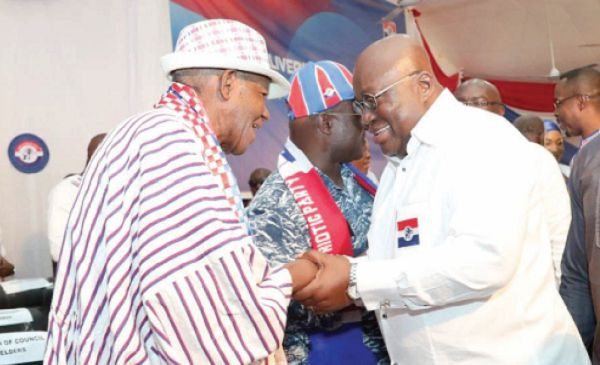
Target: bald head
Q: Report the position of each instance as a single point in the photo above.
(395, 85)
(481, 94)
(479, 84)
(396, 54)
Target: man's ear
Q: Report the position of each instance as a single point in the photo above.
(425, 82)
(581, 101)
(226, 84)
(502, 109)
(324, 123)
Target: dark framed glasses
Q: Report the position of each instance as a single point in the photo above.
(369, 101)
(558, 102)
(480, 103)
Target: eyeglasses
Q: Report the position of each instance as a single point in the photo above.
(369, 102)
(480, 103)
(558, 102)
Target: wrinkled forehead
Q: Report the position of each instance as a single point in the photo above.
(375, 70)
(371, 80)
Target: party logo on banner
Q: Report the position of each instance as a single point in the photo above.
(389, 28)
(28, 153)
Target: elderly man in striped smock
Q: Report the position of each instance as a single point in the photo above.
(157, 265)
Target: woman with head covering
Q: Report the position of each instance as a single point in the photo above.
(554, 142)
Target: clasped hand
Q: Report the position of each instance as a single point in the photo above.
(327, 290)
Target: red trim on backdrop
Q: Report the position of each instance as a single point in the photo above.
(532, 96)
(451, 82)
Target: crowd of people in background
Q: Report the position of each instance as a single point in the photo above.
(477, 244)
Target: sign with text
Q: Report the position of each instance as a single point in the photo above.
(8, 317)
(21, 347)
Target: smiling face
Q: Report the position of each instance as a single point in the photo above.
(397, 111)
(250, 111)
(554, 142)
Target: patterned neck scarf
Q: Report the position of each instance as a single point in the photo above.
(183, 100)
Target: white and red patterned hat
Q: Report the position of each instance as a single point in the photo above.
(224, 44)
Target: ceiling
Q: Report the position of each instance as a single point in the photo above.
(509, 39)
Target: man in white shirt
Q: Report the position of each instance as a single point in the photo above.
(455, 270)
(484, 95)
(60, 201)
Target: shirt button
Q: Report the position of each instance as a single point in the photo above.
(404, 169)
(384, 315)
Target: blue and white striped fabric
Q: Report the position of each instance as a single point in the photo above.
(156, 266)
(318, 86)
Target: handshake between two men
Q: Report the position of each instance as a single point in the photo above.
(320, 281)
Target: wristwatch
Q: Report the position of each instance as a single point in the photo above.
(352, 290)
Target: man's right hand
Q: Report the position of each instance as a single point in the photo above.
(303, 271)
(327, 293)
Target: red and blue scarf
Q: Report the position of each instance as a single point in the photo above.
(183, 100)
(328, 228)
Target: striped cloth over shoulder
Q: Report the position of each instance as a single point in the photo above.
(155, 266)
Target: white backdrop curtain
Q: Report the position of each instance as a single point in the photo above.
(70, 69)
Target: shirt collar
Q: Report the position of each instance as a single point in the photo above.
(432, 126)
(346, 173)
(589, 138)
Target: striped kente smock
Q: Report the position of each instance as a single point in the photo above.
(156, 267)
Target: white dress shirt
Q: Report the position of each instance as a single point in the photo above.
(60, 201)
(565, 169)
(479, 287)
